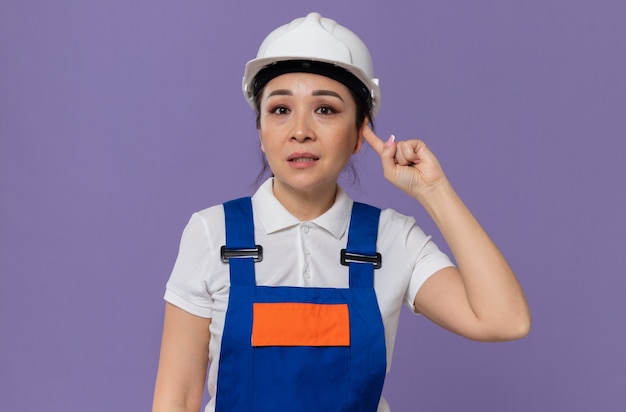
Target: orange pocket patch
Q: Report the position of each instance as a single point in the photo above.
(300, 324)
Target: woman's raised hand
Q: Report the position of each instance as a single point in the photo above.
(409, 164)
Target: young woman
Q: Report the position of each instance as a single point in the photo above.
(293, 295)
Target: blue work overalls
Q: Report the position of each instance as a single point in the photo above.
(262, 367)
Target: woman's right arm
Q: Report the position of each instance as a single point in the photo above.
(183, 362)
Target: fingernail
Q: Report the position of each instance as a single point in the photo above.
(390, 141)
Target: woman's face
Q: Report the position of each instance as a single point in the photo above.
(308, 131)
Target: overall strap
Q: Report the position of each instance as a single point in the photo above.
(360, 253)
(240, 250)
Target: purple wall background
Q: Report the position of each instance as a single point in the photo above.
(118, 119)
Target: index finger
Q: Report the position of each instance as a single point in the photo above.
(373, 140)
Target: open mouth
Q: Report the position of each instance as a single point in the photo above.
(303, 159)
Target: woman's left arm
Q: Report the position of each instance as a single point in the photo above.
(482, 299)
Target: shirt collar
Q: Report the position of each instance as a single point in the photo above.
(274, 217)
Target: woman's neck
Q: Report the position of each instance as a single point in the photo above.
(305, 204)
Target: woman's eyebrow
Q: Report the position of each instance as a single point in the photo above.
(327, 93)
(280, 92)
(286, 92)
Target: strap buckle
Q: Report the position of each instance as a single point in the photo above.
(349, 257)
(241, 253)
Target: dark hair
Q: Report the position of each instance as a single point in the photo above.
(329, 70)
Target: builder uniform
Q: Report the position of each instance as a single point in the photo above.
(303, 332)
(303, 314)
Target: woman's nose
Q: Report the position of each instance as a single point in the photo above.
(302, 130)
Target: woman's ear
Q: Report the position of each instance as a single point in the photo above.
(359, 139)
(261, 142)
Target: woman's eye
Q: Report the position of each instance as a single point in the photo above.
(280, 110)
(325, 110)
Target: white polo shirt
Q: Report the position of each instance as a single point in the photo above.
(297, 253)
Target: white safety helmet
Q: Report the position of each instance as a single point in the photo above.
(319, 42)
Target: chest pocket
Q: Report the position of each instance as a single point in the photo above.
(300, 324)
